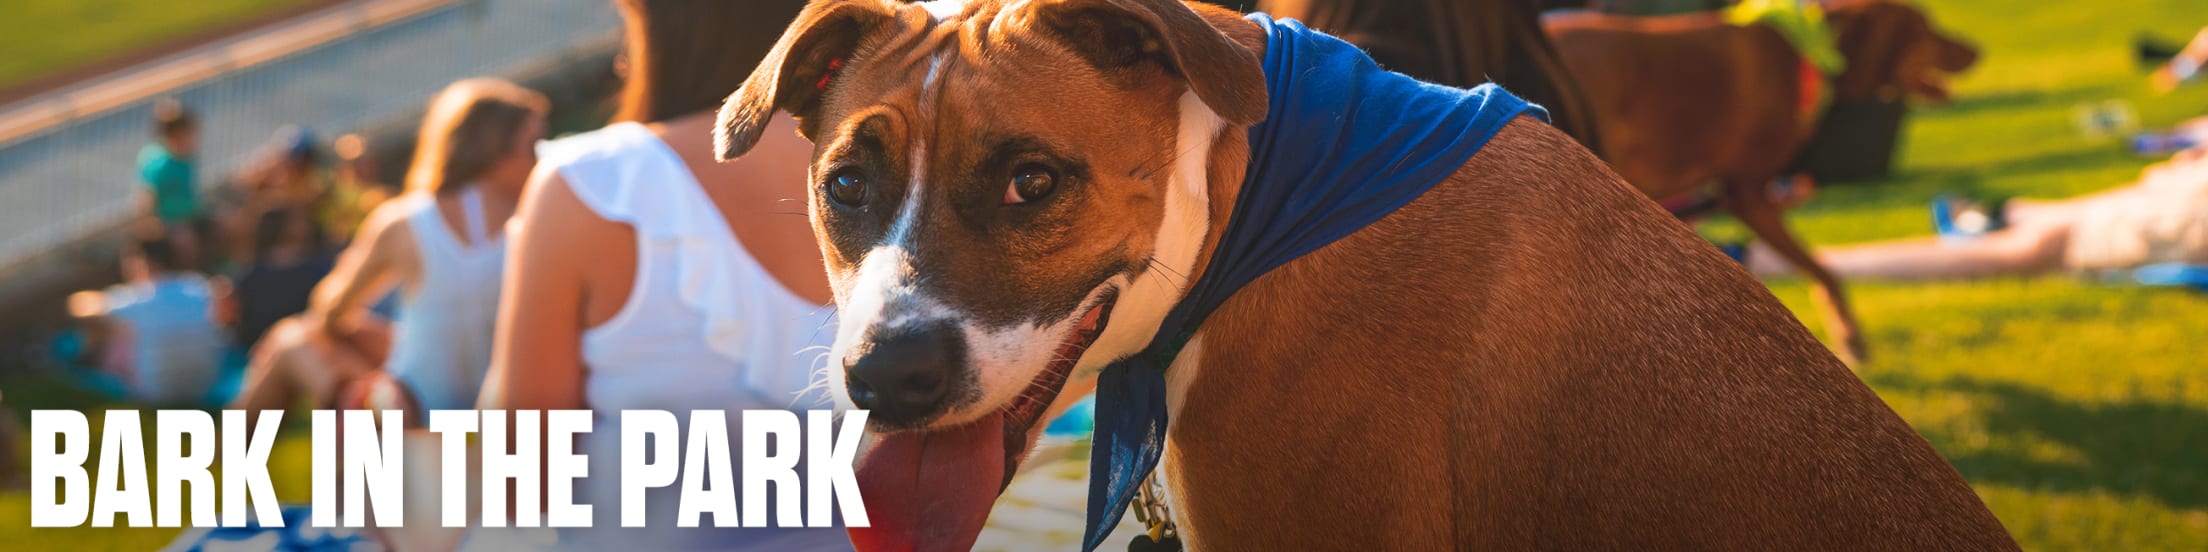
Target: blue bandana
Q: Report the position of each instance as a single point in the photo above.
(1344, 144)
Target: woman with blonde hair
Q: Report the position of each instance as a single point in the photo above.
(439, 244)
(647, 276)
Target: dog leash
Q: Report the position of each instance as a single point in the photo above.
(1159, 534)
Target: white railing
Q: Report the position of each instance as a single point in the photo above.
(68, 157)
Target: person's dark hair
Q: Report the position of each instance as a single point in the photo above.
(686, 56)
(269, 231)
(170, 117)
(159, 254)
(1461, 43)
(296, 144)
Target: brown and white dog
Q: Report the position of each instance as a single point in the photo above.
(1011, 194)
(1687, 100)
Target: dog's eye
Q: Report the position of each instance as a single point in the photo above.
(847, 188)
(1030, 182)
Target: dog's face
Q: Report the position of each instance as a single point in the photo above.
(1007, 197)
(1892, 50)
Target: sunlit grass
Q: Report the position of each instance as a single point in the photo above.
(40, 37)
(2078, 409)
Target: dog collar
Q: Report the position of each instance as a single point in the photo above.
(825, 76)
(1343, 144)
(1815, 94)
(1802, 24)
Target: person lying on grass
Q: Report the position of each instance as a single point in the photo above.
(2160, 218)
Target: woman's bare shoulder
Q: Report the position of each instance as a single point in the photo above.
(387, 226)
(553, 220)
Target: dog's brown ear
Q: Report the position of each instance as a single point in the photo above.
(1118, 34)
(1870, 39)
(793, 75)
(1892, 51)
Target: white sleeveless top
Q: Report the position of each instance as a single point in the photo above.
(441, 342)
(705, 327)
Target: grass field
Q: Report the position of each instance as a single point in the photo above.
(46, 36)
(2079, 410)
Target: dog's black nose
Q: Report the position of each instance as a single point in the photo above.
(906, 376)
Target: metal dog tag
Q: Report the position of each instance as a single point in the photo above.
(1149, 507)
(1142, 543)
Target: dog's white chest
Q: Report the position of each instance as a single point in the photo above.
(943, 9)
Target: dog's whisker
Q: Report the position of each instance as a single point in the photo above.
(819, 378)
(1148, 167)
(1155, 267)
(1170, 161)
(1156, 264)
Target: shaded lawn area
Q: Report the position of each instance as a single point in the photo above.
(41, 37)
(2078, 409)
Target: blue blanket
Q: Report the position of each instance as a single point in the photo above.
(295, 536)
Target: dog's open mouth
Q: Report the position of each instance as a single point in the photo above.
(932, 490)
(1027, 410)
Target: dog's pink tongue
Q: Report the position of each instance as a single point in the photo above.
(928, 492)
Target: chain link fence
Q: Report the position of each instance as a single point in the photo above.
(67, 175)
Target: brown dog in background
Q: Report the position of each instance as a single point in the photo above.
(1686, 100)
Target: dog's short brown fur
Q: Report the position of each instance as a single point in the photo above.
(1531, 355)
(1607, 383)
(1688, 100)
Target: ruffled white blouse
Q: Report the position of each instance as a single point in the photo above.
(706, 327)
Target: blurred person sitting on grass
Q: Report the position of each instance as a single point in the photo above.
(286, 174)
(355, 189)
(169, 170)
(290, 257)
(440, 245)
(154, 339)
(2160, 218)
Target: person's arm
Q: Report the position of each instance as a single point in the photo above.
(255, 176)
(537, 352)
(364, 272)
(536, 359)
(101, 330)
(222, 301)
(143, 203)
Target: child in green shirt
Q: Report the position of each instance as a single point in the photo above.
(168, 167)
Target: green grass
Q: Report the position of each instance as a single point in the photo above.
(46, 36)
(2078, 410)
